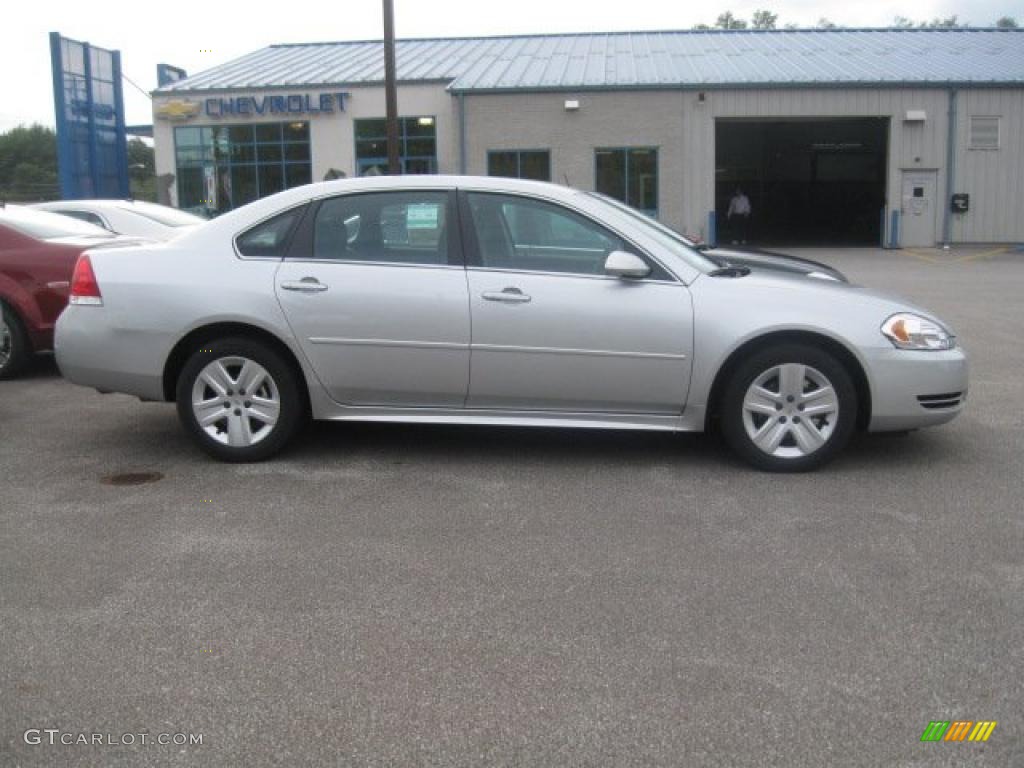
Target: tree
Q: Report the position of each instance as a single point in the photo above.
(28, 163)
(141, 170)
(1007, 22)
(728, 21)
(764, 20)
(902, 22)
(950, 22)
(824, 23)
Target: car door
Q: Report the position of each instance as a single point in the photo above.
(374, 290)
(552, 331)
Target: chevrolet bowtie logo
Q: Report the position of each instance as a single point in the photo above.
(177, 110)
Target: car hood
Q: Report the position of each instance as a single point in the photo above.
(775, 262)
(765, 290)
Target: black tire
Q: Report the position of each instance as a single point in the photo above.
(839, 427)
(14, 343)
(283, 379)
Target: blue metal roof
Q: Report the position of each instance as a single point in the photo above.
(619, 60)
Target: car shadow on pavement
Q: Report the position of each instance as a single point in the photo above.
(402, 443)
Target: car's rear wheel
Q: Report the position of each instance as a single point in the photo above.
(14, 346)
(789, 408)
(239, 399)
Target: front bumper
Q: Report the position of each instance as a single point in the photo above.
(912, 389)
(92, 352)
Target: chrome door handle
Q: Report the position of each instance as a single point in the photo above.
(305, 285)
(508, 295)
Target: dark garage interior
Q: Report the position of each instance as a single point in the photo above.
(809, 181)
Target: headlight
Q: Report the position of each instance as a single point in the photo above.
(907, 331)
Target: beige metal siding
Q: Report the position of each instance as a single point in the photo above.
(993, 178)
(604, 119)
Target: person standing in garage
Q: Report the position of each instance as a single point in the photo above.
(740, 207)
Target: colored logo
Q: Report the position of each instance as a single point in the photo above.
(178, 110)
(958, 730)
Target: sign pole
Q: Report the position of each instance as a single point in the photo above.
(391, 89)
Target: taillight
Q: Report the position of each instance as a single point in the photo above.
(84, 288)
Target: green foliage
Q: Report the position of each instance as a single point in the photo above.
(1007, 22)
(28, 163)
(824, 23)
(764, 20)
(141, 170)
(728, 21)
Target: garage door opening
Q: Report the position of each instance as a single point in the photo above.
(809, 181)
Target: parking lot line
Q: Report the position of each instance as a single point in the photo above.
(983, 255)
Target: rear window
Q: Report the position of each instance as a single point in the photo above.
(44, 225)
(161, 214)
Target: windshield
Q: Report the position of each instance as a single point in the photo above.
(668, 237)
(43, 225)
(162, 214)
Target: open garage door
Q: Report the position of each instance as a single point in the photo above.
(809, 181)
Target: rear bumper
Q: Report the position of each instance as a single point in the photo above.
(93, 353)
(910, 390)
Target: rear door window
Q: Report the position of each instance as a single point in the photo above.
(384, 227)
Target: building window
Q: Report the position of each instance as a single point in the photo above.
(520, 164)
(221, 167)
(984, 133)
(417, 137)
(630, 175)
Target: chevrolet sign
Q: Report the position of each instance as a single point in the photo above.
(177, 111)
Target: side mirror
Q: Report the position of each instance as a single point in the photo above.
(623, 264)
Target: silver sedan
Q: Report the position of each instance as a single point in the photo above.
(502, 302)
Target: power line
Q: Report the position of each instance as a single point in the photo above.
(138, 87)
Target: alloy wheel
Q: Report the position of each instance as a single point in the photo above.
(236, 401)
(790, 411)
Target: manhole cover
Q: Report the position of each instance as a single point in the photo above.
(131, 478)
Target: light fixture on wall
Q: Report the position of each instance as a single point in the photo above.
(571, 105)
(425, 121)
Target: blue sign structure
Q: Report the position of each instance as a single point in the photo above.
(92, 150)
(166, 74)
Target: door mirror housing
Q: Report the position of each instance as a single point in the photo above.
(624, 264)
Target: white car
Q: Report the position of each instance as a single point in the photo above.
(128, 217)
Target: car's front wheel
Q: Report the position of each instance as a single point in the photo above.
(239, 399)
(789, 408)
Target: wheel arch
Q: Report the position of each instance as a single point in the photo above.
(827, 343)
(206, 333)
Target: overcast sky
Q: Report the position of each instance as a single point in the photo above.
(199, 35)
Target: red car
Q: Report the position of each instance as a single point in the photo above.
(38, 251)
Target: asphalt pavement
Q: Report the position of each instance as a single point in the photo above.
(394, 595)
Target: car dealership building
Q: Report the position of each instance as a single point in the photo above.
(902, 137)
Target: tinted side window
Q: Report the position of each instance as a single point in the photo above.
(390, 227)
(519, 233)
(270, 238)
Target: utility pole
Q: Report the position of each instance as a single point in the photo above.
(391, 89)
